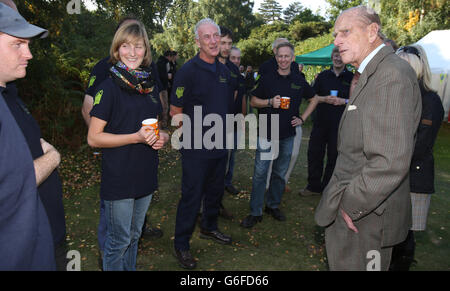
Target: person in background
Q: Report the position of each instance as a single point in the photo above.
(326, 123)
(202, 83)
(422, 165)
(391, 43)
(165, 75)
(129, 149)
(226, 44)
(300, 69)
(101, 72)
(366, 206)
(275, 148)
(26, 238)
(249, 85)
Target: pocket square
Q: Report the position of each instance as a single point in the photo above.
(352, 107)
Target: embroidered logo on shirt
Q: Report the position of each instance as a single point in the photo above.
(98, 97)
(294, 86)
(91, 81)
(222, 80)
(180, 92)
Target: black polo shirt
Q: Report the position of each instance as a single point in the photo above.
(101, 71)
(293, 86)
(237, 83)
(209, 86)
(325, 82)
(50, 190)
(128, 171)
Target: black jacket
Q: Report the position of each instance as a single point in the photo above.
(422, 164)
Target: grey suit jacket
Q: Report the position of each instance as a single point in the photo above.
(375, 145)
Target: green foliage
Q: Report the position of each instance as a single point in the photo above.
(184, 14)
(270, 10)
(301, 31)
(337, 6)
(407, 21)
(296, 12)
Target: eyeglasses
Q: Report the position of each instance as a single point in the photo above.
(409, 50)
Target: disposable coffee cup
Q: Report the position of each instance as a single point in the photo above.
(285, 102)
(151, 123)
(334, 92)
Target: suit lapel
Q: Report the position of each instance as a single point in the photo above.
(362, 82)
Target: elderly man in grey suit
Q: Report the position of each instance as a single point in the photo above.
(366, 206)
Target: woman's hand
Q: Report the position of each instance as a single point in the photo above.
(163, 139)
(147, 135)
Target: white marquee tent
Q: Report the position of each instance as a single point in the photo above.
(437, 47)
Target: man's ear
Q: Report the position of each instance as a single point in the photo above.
(373, 29)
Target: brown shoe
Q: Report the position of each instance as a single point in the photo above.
(306, 192)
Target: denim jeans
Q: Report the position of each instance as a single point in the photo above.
(101, 230)
(124, 220)
(294, 156)
(280, 166)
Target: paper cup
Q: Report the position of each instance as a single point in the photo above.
(151, 123)
(334, 92)
(285, 102)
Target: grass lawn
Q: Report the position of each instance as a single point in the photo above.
(296, 244)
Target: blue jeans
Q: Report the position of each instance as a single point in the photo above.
(280, 165)
(101, 231)
(124, 220)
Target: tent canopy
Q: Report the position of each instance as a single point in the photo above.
(320, 57)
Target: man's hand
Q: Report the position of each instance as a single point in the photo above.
(296, 121)
(349, 221)
(276, 101)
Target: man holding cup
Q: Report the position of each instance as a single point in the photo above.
(333, 87)
(267, 97)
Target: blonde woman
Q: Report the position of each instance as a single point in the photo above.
(130, 157)
(422, 164)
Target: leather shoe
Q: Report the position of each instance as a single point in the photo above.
(306, 192)
(230, 189)
(185, 259)
(250, 221)
(216, 236)
(152, 233)
(276, 213)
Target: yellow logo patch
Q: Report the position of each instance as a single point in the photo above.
(180, 92)
(98, 97)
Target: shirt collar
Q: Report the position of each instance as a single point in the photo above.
(369, 58)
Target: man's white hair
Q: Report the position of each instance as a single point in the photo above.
(202, 22)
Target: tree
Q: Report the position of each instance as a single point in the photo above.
(151, 13)
(236, 15)
(270, 10)
(407, 21)
(337, 6)
(291, 12)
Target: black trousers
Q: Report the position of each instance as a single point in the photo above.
(323, 140)
(203, 180)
